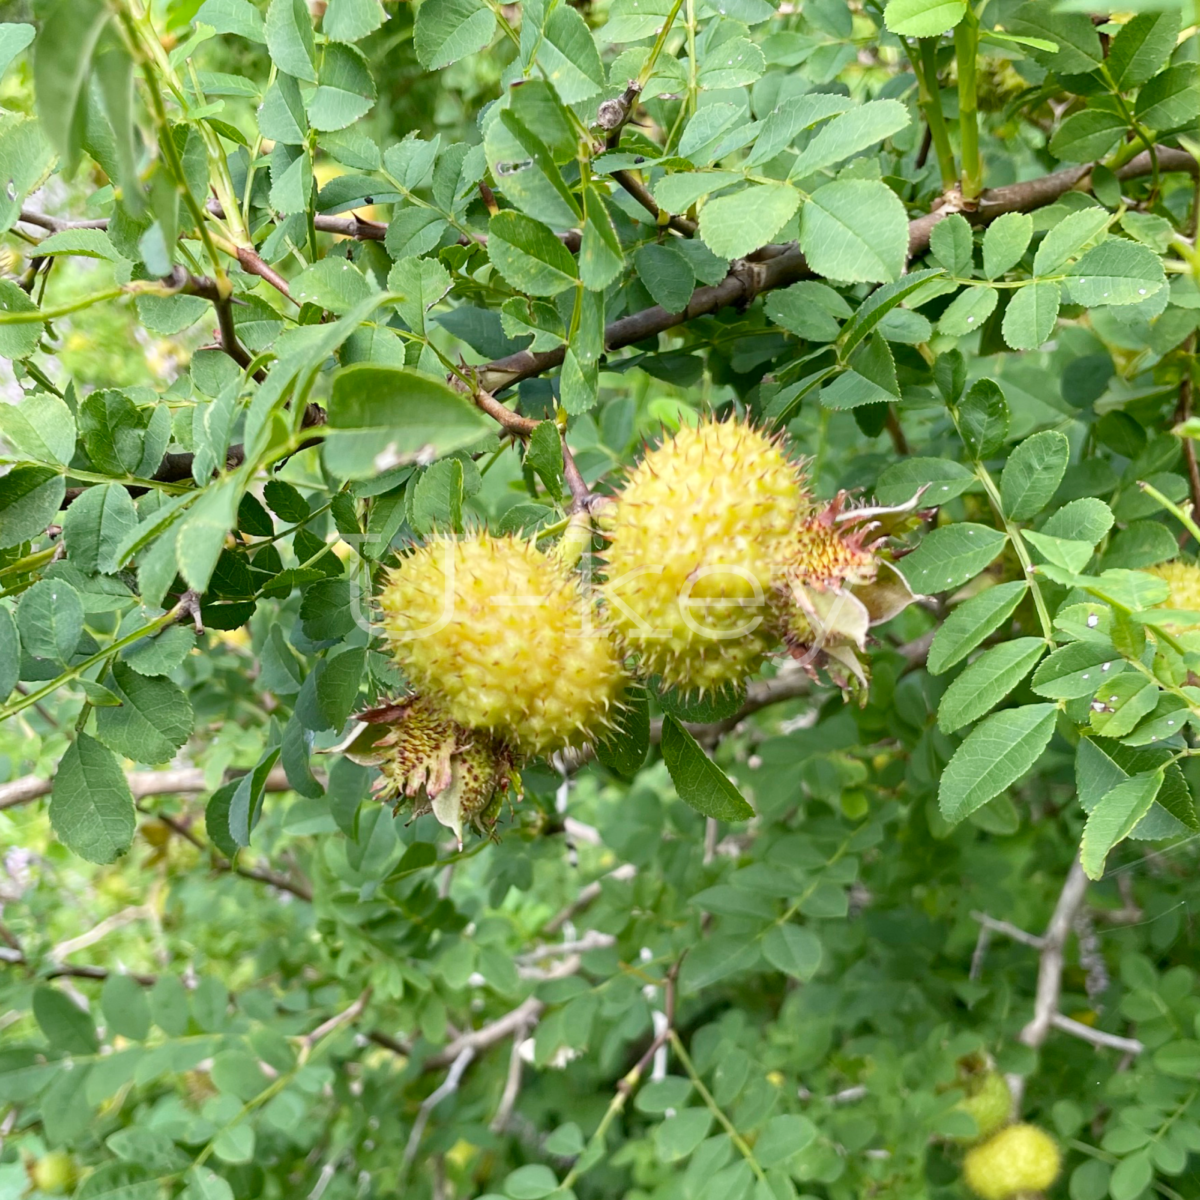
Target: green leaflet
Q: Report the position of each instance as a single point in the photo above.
(987, 681)
(994, 756)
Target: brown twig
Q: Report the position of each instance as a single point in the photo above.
(252, 263)
(770, 268)
(221, 298)
(299, 888)
(582, 496)
(641, 193)
(510, 421)
(896, 432)
(69, 972)
(611, 118)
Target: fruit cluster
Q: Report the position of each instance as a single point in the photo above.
(1005, 1161)
(716, 555)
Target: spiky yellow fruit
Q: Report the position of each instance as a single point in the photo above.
(500, 638)
(1020, 1158)
(988, 1101)
(1183, 578)
(695, 540)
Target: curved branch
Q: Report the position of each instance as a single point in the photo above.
(769, 268)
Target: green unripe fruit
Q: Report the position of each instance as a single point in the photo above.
(499, 638)
(695, 542)
(988, 1101)
(1020, 1158)
(54, 1173)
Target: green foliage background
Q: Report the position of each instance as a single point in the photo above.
(942, 246)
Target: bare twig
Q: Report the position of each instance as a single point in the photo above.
(138, 912)
(1046, 1015)
(58, 224)
(587, 895)
(583, 499)
(512, 1085)
(526, 1014)
(783, 265)
(69, 972)
(896, 432)
(1010, 931)
(1109, 1041)
(641, 193)
(592, 940)
(178, 781)
(981, 947)
(511, 422)
(447, 1087)
(252, 263)
(1050, 968)
(346, 1017)
(773, 266)
(787, 685)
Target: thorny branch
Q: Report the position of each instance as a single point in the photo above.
(612, 117)
(583, 499)
(773, 267)
(785, 265)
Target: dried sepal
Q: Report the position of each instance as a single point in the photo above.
(430, 763)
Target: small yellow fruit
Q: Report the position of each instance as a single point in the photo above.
(500, 638)
(54, 1173)
(695, 540)
(1020, 1158)
(989, 1101)
(1183, 578)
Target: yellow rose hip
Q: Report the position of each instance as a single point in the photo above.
(500, 638)
(695, 540)
(1020, 1158)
